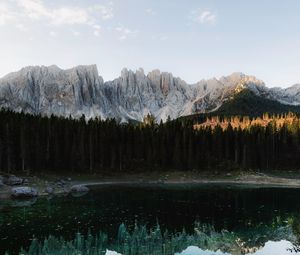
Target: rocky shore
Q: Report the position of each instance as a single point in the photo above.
(18, 187)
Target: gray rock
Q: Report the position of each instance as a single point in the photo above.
(13, 180)
(1, 183)
(24, 192)
(79, 189)
(50, 90)
(60, 183)
(133, 95)
(49, 190)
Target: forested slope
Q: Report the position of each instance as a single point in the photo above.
(246, 103)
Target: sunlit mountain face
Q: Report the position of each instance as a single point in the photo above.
(133, 95)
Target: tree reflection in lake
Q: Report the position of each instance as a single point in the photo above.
(247, 217)
(204, 240)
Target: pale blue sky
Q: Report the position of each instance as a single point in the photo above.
(193, 39)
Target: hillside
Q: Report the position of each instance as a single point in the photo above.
(246, 103)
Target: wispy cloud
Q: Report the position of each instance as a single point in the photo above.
(75, 33)
(6, 15)
(203, 16)
(97, 30)
(124, 32)
(22, 27)
(53, 34)
(22, 11)
(33, 9)
(105, 12)
(69, 16)
(160, 37)
(151, 11)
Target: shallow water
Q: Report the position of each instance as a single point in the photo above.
(257, 215)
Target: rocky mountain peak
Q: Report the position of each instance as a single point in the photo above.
(80, 90)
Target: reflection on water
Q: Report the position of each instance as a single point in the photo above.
(233, 219)
(193, 250)
(282, 247)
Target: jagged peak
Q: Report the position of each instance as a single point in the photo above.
(52, 69)
(295, 86)
(129, 95)
(92, 69)
(237, 75)
(84, 67)
(141, 71)
(155, 72)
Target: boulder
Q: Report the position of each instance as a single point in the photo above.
(13, 180)
(24, 192)
(49, 190)
(60, 183)
(79, 189)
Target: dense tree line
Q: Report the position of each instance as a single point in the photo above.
(38, 143)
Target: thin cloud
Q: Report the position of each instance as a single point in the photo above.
(69, 16)
(105, 12)
(203, 16)
(96, 33)
(6, 15)
(75, 33)
(124, 32)
(53, 34)
(151, 11)
(37, 10)
(97, 30)
(21, 27)
(33, 9)
(163, 38)
(160, 37)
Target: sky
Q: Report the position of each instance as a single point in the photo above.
(193, 39)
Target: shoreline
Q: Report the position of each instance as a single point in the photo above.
(276, 183)
(246, 180)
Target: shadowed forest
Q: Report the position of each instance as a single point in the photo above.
(35, 143)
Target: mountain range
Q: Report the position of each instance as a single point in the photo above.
(80, 90)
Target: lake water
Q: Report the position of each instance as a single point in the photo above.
(245, 219)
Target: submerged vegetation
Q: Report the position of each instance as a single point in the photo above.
(38, 143)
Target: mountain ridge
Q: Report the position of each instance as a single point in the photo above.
(81, 90)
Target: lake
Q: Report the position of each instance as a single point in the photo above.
(237, 218)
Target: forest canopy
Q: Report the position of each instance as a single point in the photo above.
(54, 144)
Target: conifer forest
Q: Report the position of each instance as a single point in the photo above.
(35, 143)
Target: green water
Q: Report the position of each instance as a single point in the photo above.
(249, 212)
